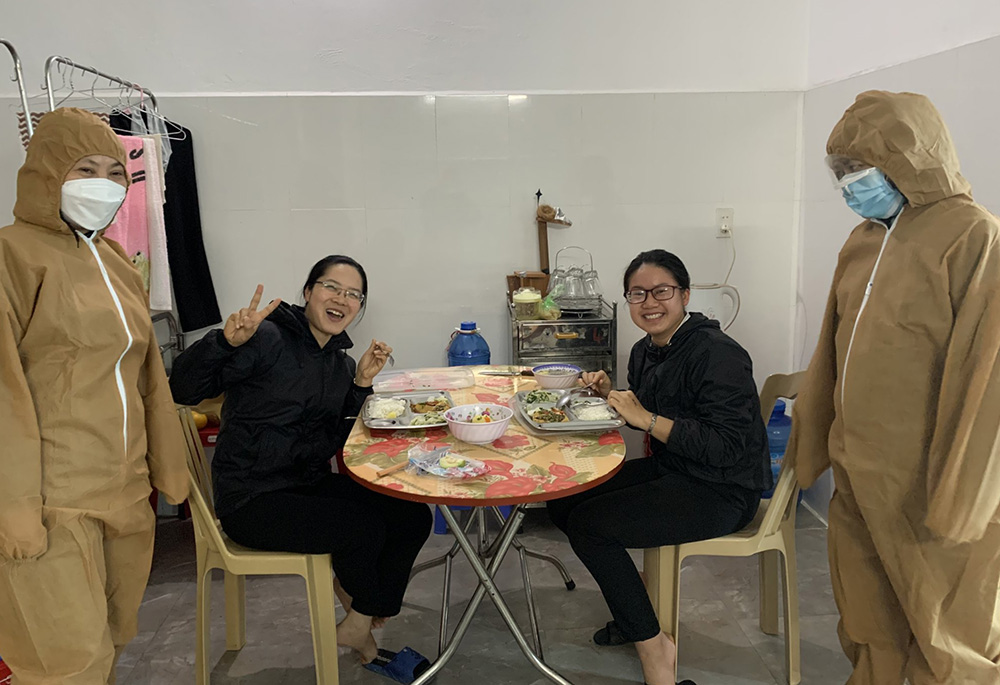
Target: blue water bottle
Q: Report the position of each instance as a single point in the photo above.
(467, 347)
(779, 428)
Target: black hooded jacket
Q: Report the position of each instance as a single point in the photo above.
(703, 380)
(283, 414)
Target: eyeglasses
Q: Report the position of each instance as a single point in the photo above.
(660, 292)
(337, 289)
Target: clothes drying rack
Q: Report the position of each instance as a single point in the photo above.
(67, 67)
(19, 80)
(130, 94)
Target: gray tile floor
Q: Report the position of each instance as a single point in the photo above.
(720, 642)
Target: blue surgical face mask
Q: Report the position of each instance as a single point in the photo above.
(871, 195)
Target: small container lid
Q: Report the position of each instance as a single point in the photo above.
(468, 326)
(779, 408)
(527, 295)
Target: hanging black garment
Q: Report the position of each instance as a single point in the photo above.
(194, 292)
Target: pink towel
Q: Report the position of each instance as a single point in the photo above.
(130, 229)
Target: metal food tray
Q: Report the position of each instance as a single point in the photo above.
(403, 421)
(574, 425)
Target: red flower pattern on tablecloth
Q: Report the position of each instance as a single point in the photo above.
(435, 433)
(390, 447)
(393, 486)
(574, 444)
(507, 442)
(558, 484)
(498, 465)
(610, 438)
(561, 470)
(518, 486)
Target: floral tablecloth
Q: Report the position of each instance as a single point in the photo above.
(525, 466)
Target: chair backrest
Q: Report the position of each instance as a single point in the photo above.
(786, 490)
(201, 498)
(197, 463)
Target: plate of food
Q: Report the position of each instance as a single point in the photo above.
(407, 411)
(544, 415)
(537, 410)
(541, 396)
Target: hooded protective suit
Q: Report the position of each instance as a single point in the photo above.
(902, 399)
(87, 424)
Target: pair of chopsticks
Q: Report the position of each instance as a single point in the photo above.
(391, 469)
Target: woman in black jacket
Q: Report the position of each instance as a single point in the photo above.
(289, 387)
(691, 389)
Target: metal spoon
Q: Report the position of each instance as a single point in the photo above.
(378, 423)
(567, 398)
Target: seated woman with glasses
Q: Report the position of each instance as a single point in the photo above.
(691, 389)
(291, 394)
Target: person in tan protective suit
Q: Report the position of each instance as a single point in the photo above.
(86, 416)
(902, 399)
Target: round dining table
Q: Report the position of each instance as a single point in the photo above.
(526, 465)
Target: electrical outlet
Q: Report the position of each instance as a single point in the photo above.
(724, 223)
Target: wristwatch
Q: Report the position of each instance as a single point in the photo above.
(652, 422)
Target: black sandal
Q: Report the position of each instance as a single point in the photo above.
(610, 636)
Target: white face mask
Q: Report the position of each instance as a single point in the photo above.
(91, 203)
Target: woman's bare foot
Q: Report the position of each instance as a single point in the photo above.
(659, 657)
(345, 599)
(355, 631)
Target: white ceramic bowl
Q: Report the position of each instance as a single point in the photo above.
(460, 422)
(557, 376)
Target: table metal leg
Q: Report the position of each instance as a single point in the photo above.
(484, 538)
(437, 561)
(445, 602)
(424, 565)
(487, 586)
(570, 583)
(532, 614)
(567, 578)
(528, 592)
(447, 559)
(470, 609)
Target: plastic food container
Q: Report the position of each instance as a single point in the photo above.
(526, 303)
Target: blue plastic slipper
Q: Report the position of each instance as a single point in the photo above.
(404, 666)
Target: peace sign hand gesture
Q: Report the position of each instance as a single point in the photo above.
(241, 325)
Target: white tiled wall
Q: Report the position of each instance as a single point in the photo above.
(435, 196)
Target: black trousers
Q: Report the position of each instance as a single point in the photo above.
(373, 539)
(643, 507)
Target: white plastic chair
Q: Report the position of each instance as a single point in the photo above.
(771, 536)
(215, 550)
